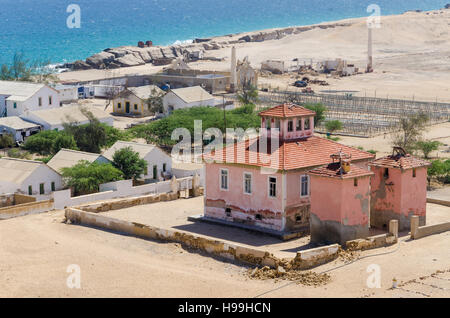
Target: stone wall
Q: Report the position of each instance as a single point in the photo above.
(25, 209)
(418, 232)
(304, 260)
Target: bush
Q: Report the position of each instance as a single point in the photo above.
(7, 140)
(160, 131)
(320, 112)
(16, 153)
(63, 141)
(42, 142)
(129, 162)
(440, 170)
(85, 177)
(333, 125)
(428, 146)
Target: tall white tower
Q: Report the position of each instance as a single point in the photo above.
(369, 52)
(233, 85)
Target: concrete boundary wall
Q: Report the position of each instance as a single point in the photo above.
(304, 260)
(440, 202)
(121, 189)
(418, 232)
(376, 241)
(25, 209)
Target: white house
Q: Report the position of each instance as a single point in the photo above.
(187, 97)
(18, 128)
(133, 100)
(67, 93)
(66, 158)
(29, 177)
(19, 97)
(159, 163)
(54, 119)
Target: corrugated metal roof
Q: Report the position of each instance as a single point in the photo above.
(17, 170)
(66, 158)
(61, 115)
(142, 149)
(20, 90)
(16, 123)
(144, 92)
(192, 94)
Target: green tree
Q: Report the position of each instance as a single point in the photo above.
(42, 142)
(320, 112)
(90, 137)
(129, 162)
(333, 125)
(63, 140)
(86, 177)
(21, 69)
(411, 128)
(155, 101)
(247, 94)
(427, 146)
(7, 140)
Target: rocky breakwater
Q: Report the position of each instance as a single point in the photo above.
(126, 56)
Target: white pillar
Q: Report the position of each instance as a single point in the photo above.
(369, 52)
(233, 69)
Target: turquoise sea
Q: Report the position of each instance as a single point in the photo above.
(38, 27)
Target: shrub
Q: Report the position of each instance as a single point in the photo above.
(86, 177)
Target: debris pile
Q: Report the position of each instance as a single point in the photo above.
(306, 278)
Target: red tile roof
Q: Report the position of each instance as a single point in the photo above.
(333, 170)
(400, 161)
(289, 155)
(287, 110)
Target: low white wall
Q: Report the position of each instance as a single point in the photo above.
(118, 189)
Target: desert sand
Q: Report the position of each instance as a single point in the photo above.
(410, 56)
(36, 251)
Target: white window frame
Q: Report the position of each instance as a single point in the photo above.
(228, 180)
(251, 183)
(301, 185)
(268, 187)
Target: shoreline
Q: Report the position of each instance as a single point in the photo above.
(231, 37)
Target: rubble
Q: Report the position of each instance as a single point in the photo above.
(307, 278)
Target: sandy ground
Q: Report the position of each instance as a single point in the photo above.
(410, 56)
(178, 211)
(36, 251)
(383, 143)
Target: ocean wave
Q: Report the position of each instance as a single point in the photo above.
(178, 42)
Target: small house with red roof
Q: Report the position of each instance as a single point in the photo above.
(398, 189)
(263, 183)
(340, 201)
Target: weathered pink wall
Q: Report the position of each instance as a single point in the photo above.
(284, 128)
(340, 201)
(244, 206)
(414, 192)
(399, 196)
(328, 207)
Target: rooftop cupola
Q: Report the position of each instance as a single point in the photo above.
(292, 121)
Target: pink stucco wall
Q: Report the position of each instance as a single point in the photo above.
(243, 206)
(399, 196)
(284, 127)
(340, 201)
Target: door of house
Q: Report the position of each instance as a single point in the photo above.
(155, 172)
(127, 107)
